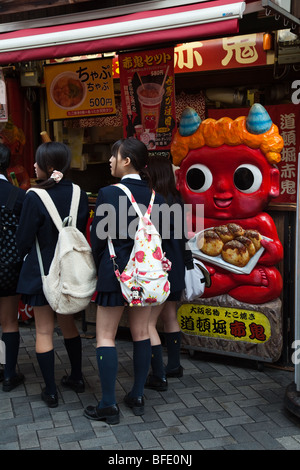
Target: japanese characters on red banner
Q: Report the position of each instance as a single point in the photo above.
(285, 116)
(222, 53)
(148, 96)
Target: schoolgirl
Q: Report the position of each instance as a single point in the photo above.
(128, 161)
(52, 164)
(9, 300)
(162, 179)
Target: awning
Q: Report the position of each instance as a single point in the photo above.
(145, 29)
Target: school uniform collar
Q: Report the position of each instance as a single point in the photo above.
(2, 177)
(133, 176)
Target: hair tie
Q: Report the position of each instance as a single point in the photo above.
(57, 176)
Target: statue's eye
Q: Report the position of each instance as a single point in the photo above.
(199, 178)
(247, 178)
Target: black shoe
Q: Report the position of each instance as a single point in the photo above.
(135, 403)
(110, 414)
(50, 400)
(13, 382)
(156, 383)
(76, 385)
(178, 372)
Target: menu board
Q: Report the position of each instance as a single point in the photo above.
(80, 89)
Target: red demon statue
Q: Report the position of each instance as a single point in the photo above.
(229, 167)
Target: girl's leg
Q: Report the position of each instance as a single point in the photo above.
(172, 335)
(73, 346)
(139, 327)
(44, 323)
(11, 339)
(107, 322)
(108, 319)
(157, 380)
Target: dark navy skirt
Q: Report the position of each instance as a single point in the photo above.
(110, 299)
(34, 300)
(116, 299)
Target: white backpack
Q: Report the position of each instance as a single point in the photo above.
(144, 281)
(71, 280)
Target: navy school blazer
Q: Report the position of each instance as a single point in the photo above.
(35, 221)
(5, 188)
(107, 281)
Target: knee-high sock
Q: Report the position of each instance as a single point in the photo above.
(107, 359)
(141, 365)
(74, 350)
(157, 364)
(12, 342)
(173, 343)
(46, 363)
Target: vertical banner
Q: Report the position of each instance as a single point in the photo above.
(148, 96)
(3, 99)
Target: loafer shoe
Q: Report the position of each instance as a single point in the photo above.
(178, 372)
(13, 382)
(135, 403)
(50, 400)
(110, 414)
(76, 385)
(156, 383)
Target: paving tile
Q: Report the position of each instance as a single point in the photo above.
(217, 404)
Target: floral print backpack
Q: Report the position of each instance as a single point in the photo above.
(144, 281)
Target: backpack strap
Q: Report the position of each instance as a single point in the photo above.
(53, 212)
(127, 191)
(134, 203)
(11, 200)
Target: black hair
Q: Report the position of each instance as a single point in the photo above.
(135, 150)
(54, 155)
(161, 176)
(4, 159)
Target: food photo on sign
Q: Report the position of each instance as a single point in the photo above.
(148, 96)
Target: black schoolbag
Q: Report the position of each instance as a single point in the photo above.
(10, 262)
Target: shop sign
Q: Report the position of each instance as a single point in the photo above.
(80, 89)
(286, 117)
(220, 54)
(224, 322)
(148, 96)
(212, 54)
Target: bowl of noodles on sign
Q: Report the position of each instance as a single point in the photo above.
(67, 91)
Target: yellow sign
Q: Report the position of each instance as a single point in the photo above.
(223, 322)
(80, 89)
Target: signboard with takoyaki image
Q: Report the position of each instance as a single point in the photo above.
(229, 246)
(80, 89)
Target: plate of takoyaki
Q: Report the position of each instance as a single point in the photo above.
(229, 246)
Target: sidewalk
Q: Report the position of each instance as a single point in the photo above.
(219, 403)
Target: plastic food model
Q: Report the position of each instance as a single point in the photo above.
(229, 166)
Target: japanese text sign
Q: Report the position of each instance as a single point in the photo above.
(224, 322)
(80, 89)
(148, 96)
(220, 54)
